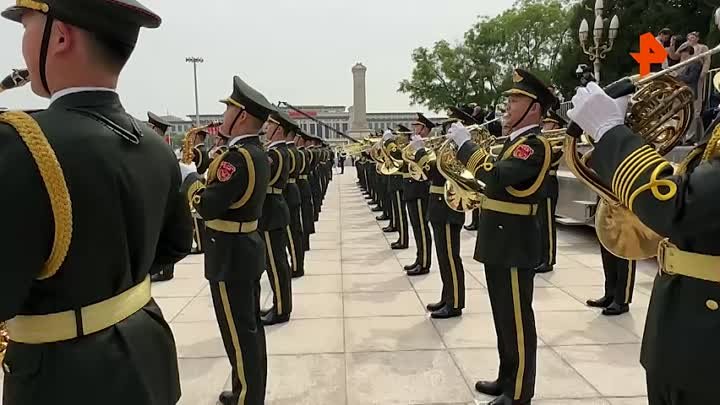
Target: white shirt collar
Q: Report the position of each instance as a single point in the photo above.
(72, 90)
(238, 138)
(520, 131)
(275, 143)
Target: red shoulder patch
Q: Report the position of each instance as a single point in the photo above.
(225, 171)
(523, 152)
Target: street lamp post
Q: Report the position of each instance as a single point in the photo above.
(600, 48)
(195, 60)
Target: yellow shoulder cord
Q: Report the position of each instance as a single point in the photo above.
(713, 145)
(54, 180)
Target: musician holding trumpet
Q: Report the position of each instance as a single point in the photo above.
(510, 237)
(679, 352)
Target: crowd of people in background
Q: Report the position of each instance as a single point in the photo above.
(679, 48)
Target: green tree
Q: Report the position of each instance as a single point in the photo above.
(636, 17)
(529, 35)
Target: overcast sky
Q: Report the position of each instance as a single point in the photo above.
(295, 51)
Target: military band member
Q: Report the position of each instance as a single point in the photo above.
(293, 198)
(678, 352)
(447, 225)
(395, 187)
(308, 212)
(232, 204)
(165, 272)
(275, 220)
(464, 114)
(416, 194)
(101, 193)
(619, 284)
(552, 121)
(314, 176)
(200, 153)
(510, 237)
(341, 162)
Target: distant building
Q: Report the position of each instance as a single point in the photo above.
(337, 117)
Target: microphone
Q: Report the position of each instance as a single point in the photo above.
(18, 78)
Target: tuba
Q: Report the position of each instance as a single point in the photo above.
(189, 141)
(18, 78)
(660, 111)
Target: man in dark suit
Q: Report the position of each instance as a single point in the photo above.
(102, 195)
(231, 205)
(510, 237)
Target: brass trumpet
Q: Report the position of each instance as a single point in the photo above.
(660, 111)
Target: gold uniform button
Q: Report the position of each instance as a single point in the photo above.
(712, 305)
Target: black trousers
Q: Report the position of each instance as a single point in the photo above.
(278, 270)
(295, 241)
(342, 167)
(661, 392)
(475, 217)
(237, 309)
(619, 277)
(400, 217)
(511, 296)
(452, 273)
(389, 207)
(198, 234)
(417, 210)
(547, 211)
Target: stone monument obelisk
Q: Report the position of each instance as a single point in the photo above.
(358, 121)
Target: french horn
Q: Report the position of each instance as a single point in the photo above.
(660, 111)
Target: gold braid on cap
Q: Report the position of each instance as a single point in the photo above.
(33, 5)
(54, 180)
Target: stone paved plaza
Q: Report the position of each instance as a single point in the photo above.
(360, 334)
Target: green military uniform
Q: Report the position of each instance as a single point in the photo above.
(161, 272)
(306, 205)
(678, 351)
(274, 224)
(293, 197)
(101, 190)
(231, 206)
(395, 188)
(446, 224)
(549, 207)
(416, 194)
(510, 240)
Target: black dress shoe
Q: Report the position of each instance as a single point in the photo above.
(544, 268)
(418, 271)
(603, 302)
(272, 318)
(398, 246)
(410, 266)
(503, 400)
(471, 227)
(264, 312)
(491, 388)
(389, 229)
(616, 309)
(376, 209)
(382, 217)
(446, 312)
(227, 398)
(162, 276)
(297, 274)
(435, 307)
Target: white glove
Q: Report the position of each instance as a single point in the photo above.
(458, 134)
(387, 135)
(417, 144)
(416, 137)
(186, 169)
(596, 112)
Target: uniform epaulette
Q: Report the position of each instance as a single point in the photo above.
(645, 165)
